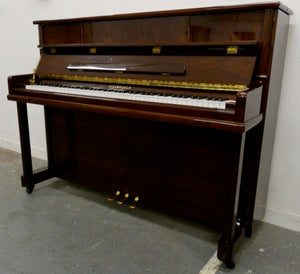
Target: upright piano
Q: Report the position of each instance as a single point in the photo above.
(174, 110)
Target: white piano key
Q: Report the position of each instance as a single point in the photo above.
(96, 92)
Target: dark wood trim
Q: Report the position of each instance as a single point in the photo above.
(253, 122)
(241, 100)
(88, 45)
(49, 142)
(182, 12)
(29, 178)
(41, 175)
(192, 121)
(25, 145)
(230, 235)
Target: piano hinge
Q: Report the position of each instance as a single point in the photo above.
(156, 50)
(32, 80)
(93, 50)
(232, 49)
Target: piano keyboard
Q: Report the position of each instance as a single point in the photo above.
(173, 99)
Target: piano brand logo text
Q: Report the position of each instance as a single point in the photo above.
(114, 87)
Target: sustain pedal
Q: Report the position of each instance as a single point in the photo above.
(134, 202)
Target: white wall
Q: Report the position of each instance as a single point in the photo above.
(19, 55)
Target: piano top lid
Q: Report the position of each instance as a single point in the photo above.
(193, 11)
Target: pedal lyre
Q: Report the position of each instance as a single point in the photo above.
(116, 196)
(124, 199)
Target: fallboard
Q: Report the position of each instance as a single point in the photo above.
(219, 66)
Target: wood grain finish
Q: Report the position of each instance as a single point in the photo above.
(201, 69)
(200, 11)
(193, 162)
(133, 155)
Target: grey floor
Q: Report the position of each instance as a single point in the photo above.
(65, 228)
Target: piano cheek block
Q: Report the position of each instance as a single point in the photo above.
(173, 120)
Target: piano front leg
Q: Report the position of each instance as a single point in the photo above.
(29, 178)
(250, 176)
(233, 229)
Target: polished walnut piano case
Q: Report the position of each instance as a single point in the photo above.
(201, 163)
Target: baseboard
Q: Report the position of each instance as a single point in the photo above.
(14, 146)
(282, 218)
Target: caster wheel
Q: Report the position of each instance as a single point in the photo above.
(229, 265)
(29, 189)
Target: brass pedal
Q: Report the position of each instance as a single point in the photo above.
(117, 195)
(124, 199)
(134, 202)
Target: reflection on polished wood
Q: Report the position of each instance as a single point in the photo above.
(171, 109)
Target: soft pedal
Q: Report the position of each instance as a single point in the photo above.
(116, 196)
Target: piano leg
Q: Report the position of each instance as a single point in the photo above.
(257, 146)
(239, 217)
(25, 147)
(29, 178)
(249, 179)
(225, 249)
(232, 230)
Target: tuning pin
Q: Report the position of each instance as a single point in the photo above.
(134, 202)
(117, 194)
(124, 199)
